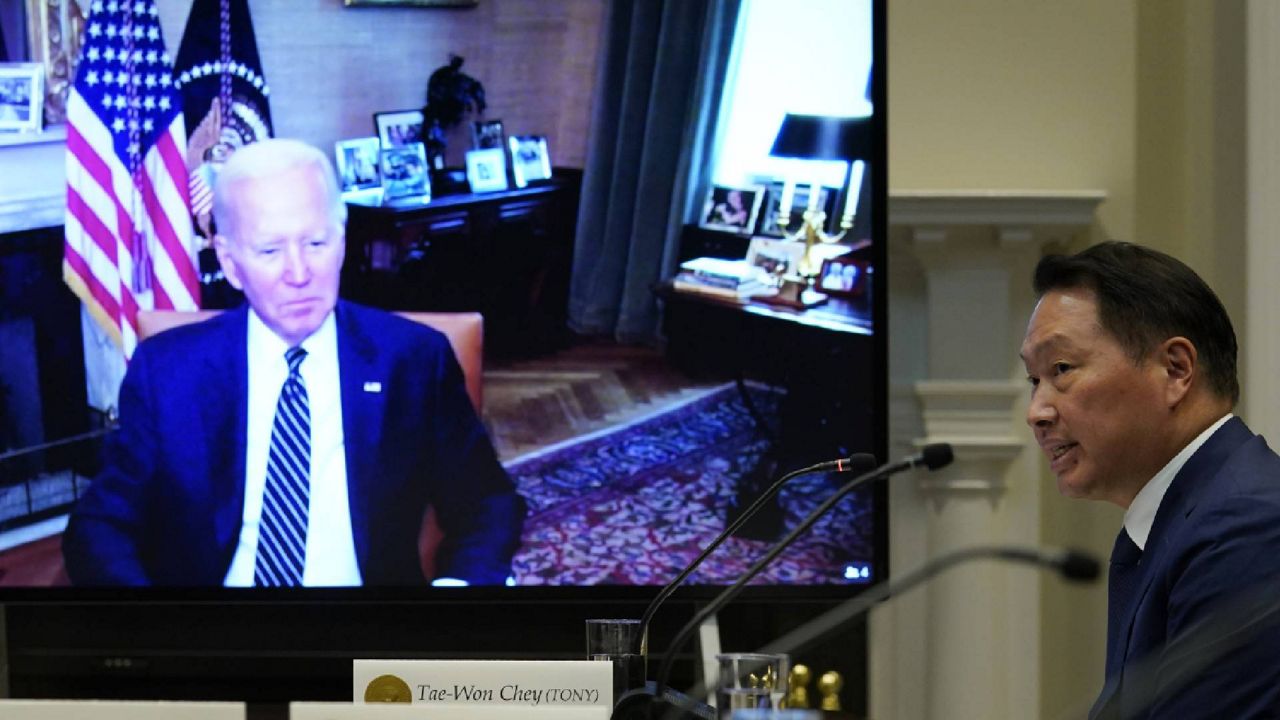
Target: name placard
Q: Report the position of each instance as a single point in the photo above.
(118, 710)
(394, 711)
(513, 683)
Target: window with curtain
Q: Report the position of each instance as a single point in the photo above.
(811, 57)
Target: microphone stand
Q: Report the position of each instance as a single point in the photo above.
(859, 461)
(1074, 566)
(934, 456)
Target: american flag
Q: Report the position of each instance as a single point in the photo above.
(128, 231)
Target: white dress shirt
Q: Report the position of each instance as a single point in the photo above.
(331, 552)
(1142, 511)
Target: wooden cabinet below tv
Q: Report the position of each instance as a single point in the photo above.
(505, 254)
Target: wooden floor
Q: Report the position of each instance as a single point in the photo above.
(530, 404)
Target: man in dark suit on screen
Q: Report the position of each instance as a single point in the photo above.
(298, 439)
(1132, 361)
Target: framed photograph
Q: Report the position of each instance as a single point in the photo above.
(487, 170)
(404, 172)
(21, 96)
(843, 276)
(357, 164)
(732, 209)
(487, 134)
(399, 128)
(529, 159)
(775, 257)
(768, 224)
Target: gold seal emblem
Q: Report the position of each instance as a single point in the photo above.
(387, 689)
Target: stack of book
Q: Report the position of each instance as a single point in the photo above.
(726, 278)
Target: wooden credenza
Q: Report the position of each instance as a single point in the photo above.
(504, 254)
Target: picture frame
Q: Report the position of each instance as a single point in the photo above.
(487, 134)
(530, 161)
(21, 97)
(487, 170)
(775, 257)
(404, 172)
(800, 200)
(843, 276)
(55, 35)
(357, 161)
(732, 209)
(398, 128)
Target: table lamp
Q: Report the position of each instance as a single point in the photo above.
(818, 137)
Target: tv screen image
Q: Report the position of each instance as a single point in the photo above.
(608, 518)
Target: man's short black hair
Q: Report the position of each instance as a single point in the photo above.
(1146, 297)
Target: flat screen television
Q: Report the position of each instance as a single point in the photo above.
(585, 557)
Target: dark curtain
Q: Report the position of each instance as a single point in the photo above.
(650, 152)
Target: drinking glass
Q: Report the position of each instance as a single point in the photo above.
(618, 641)
(750, 680)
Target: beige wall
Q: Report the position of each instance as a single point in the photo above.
(1191, 144)
(1009, 94)
(1143, 99)
(331, 67)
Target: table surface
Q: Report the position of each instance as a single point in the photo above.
(836, 314)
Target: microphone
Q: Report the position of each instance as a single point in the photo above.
(1072, 565)
(932, 456)
(858, 462)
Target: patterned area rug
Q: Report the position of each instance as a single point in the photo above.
(633, 505)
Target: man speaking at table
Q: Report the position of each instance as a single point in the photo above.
(1132, 362)
(298, 439)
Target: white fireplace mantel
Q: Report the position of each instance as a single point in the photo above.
(33, 182)
(1045, 209)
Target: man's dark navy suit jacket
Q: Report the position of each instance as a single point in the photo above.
(168, 505)
(1213, 555)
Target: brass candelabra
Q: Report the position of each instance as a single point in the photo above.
(797, 286)
(811, 233)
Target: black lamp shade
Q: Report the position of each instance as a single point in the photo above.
(817, 137)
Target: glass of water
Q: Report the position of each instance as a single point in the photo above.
(620, 642)
(750, 680)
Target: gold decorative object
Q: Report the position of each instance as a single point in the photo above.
(387, 689)
(810, 230)
(798, 683)
(829, 686)
(54, 31)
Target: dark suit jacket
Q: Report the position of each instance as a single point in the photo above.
(1213, 556)
(168, 505)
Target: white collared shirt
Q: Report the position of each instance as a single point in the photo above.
(331, 552)
(1142, 511)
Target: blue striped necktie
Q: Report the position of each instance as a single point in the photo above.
(282, 531)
